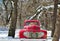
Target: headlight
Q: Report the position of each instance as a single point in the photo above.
(26, 34)
(40, 34)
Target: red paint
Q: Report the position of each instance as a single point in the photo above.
(33, 28)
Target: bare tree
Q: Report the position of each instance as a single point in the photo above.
(13, 20)
(54, 16)
(31, 8)
(5, 2)
(57, 30)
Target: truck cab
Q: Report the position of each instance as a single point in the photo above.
(32, 30)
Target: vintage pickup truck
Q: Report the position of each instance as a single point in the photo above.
(32, 30)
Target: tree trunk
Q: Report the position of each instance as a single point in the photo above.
(13, 21)
(57, 30)
(54, 16)
(45, 20)
(11, 11)
(20, 18)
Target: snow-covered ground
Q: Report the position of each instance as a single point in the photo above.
(4, 36)
(4, 33)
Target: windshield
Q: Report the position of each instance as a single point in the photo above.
(31, 23)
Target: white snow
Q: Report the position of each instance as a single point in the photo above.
(4, 37)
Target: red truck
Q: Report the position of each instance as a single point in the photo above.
(32, 30)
